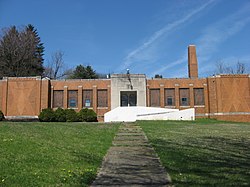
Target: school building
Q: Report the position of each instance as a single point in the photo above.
(224, 97)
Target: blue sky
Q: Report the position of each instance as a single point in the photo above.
(146, 36)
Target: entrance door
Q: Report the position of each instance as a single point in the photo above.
(128, 98)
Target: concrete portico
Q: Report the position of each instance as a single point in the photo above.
(121, 83)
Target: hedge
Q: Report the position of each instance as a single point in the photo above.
(69, 115)
(47, 115)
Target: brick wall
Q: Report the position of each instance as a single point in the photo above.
(21, 96)
(79, 86)
(178, 84)
(229, 97)
(226, 97)
(45, 94)
(1, 94)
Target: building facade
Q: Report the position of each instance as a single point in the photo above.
(224, 97)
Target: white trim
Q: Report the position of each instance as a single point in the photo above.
(224, 114)
(185, 106)
(199, 106)
(102, 107)
(21, 117)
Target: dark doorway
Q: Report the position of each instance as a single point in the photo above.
(128, 98)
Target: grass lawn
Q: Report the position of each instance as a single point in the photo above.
(52, 154)
(202, 153)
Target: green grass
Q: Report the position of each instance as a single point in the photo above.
(52, 154)
(202, 153)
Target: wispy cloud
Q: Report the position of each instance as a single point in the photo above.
(136, 54)
(212, 37)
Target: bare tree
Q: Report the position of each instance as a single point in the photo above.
(56, 67)
(222, 68)
(241, 68)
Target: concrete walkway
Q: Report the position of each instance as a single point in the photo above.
(131, 161)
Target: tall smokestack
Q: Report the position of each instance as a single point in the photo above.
(192, 62)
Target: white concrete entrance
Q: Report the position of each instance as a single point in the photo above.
(131, 114)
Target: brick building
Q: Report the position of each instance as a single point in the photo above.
(224, 97)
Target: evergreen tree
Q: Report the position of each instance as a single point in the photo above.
(21, 52)
(39, 48)
(82, 72)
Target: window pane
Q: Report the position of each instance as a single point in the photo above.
(170, 97)
(58, 98)
(184, 97)
(155, 97)
(102, 98)
(170, 101)
(87, 98)
(199, 96)
(132, 99)
(128, 98)
(72, 98)
(124, 99)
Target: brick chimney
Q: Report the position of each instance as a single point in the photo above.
(192, 62)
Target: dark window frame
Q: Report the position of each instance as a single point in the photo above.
(199, 97)
(128, 98)
(71, 98)
(85, 98)
(100, 103)
(55, 105)
(153, 100)
(184, 96)
(169, 93)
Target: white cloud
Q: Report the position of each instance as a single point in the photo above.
(138, 53)
(170, 65)
(212, 37)
(220, 32)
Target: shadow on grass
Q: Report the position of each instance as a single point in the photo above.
(206, 161)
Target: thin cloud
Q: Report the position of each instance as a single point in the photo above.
(213, 36)
(135, 55)
(170, 65)
(219, 32)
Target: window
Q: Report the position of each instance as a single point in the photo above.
(102, 98)
(199, 96)
(184, 97)
(170, 97)
(169, 101)
(128, 98)
(87, 98)
(72, 98)
(58, 98)
(155, 97)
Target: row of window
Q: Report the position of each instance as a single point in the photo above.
(102, 98)
(87, 98)
(184, 97)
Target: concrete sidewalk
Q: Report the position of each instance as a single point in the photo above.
(131, 161)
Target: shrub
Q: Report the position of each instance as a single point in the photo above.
(87, 115)
(47, 115)
(1, 116)
(60, 115)
(71, 115)
(91, 116)
(82, 114)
